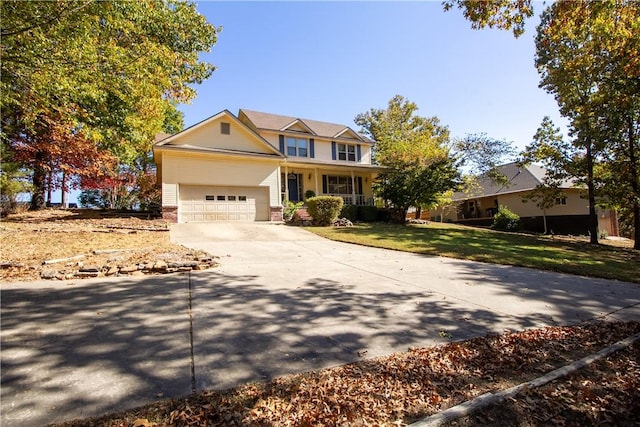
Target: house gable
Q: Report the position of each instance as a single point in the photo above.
(348, 133)
(298, 126)
(222, 131)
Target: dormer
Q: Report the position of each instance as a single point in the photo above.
(298, 126)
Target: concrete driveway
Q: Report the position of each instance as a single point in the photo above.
(283, 300)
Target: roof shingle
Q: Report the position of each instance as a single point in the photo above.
(277, 122)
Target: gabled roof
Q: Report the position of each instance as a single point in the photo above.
(169, 139)
(276, 122)
(297, 123)
(519, 178)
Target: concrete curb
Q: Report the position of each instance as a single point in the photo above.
(487, 399)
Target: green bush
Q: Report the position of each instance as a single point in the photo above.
(367, 213)
(289, 210)
(324, 209)
(350, 212)
(383, 215)
(505, 219)
(309, 194)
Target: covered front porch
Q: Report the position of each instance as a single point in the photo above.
(352, 183)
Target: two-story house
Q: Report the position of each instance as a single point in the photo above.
(244, 167)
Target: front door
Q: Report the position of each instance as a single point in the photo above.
(293, 183)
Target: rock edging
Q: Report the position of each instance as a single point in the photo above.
(79, 270)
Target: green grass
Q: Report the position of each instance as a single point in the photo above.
(541, 252)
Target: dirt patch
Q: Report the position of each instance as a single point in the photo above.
(65, 244)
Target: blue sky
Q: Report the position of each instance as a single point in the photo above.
(330, 61)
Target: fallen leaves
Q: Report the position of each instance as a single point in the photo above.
(403, 387)
(28, 240)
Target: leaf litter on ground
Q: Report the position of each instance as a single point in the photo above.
(404, 387)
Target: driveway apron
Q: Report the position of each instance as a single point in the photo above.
(283, 300)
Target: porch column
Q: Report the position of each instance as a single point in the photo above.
(353, 188)
(315, 174)
(286, 182)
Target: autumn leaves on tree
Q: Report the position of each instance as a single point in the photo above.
(87, 85)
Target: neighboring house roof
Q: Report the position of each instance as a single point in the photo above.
(276, 122)
(519, 178)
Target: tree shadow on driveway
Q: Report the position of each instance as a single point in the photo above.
(71, 351)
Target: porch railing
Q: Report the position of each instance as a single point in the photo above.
(360, 199)
(349, 200)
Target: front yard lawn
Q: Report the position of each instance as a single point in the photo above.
(561, 254)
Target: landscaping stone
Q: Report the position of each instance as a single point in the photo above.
(160, 266)
(111, 271)
(86, 274)
(129, 269)
(189, 264)
(342, 222)
(77, 270)
(417, 221)
(48, 274)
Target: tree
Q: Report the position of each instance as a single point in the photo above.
(558, 158)
(502, 14)
(587, 55)
(14, 180)
(480, 155)
(112, 70)
(415, 153)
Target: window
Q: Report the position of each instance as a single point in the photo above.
(231, 198)
(347, 152)
(242, 198)
(207, 197)
(339, 184)
(225, 128)
(561, 200)
(220, 198)
(297, 147)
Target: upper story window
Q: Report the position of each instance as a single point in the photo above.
(297, 147)
(561, 200)
(225, 128)
(347, 152)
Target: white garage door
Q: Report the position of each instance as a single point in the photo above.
(207, 204)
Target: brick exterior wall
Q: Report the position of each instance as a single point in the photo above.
(170, 213)
(276, 213)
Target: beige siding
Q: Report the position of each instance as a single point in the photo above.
(214, 170)
(323, 150)
(322, 147)
(366, 154)
(575, 205)
(169, 194)
(210, 136)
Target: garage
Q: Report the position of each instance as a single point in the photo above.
(208, 203)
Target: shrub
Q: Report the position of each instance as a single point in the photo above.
(505, 219)
(383, 215)
(367, 213)
(290, 209)
(309, 194)
(324, 209)
(350, 212)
